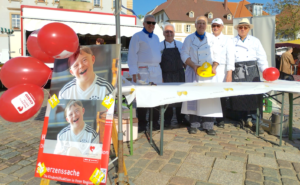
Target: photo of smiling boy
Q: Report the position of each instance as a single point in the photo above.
(77, 137)
(86, 84)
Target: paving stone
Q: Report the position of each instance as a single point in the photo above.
(5, 151)
(219, 150)
(150, 155)
(167, 137)
(224, 177)
(264, 151)
(271, 183)
(284, 164)
(169, 169)
(29, 176)
(270, 172)
(298, 175)
(288, 156)
(252, 167)
(134, 157)
(269, 155)
(204, 183)
(215, 154)
(213, 146)
(16, 183)
(141, 151)
(238, 154)
(255, 153)
(199, 159)
(32, 158)
(134, 172)
(10, 169)
(155, 165)
(227, 165)
(251, 183)
(177, 146)
(235, 158)
(254, 176)
(23, 171)
(286, 181)
(196, 143)
(175, 161)
(10, 155)
(181, 181)
(273, 179)
(236, 143)
(15, 159)
(297, 167)
(194, 171)
(7, 179)
(150, 178)
(3, 166)
(287, 172)
(228, 145)
(262, 161)
(142, 163)
(129, 163)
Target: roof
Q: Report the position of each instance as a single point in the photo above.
(239, 9)
(177, 10)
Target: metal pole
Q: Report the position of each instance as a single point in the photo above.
(281, 119)
(291, 116)
(8, 35)
(121, 178)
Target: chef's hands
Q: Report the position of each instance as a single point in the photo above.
(229, 76)
(134, 77)
(214, 67)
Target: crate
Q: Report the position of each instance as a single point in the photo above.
(267, 105)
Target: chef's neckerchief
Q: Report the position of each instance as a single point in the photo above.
(200, 36)
(149, 34)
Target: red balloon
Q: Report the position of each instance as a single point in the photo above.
(35, 50)
(21, 70)
(21, 102)
(58, 40)
(271, 74)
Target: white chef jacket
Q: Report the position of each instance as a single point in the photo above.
(206, 50)
(227, 58)
(250, 50)
(170, 45)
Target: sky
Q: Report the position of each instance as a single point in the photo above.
(141, 7)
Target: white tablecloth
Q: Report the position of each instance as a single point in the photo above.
(166, 93)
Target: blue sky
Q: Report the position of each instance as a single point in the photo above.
(144, 6)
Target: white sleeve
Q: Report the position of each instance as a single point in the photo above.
(179, 45)
(262, 61)
(133, 55)
(230, 55)
(185, 51)
(161, 47)
(58, 147)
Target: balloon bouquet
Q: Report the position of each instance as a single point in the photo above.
(25, 77)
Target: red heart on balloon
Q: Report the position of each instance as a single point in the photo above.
(21, 102)
(58, 40)
(271, 74)
(21, 70)
(35, 50)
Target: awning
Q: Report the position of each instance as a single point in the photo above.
(292, 43)
(84, 28)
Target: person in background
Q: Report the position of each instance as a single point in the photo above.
(227, 60)
(144, 53)
(250, 57)
(99, 41)
(287, 61)
(297, 62)
(198, 49)
(172, 70)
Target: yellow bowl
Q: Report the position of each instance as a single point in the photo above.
(205, 70)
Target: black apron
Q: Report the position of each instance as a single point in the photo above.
(246, 72)
(172, 66)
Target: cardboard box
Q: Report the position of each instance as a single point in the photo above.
(126, 128)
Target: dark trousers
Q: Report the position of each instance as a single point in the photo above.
(169, 114)
(142, 113)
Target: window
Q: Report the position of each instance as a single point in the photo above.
(178, 28)
(210, 15)
(193, 28)
(15, 21)
(224, 30)
(188, 28)
(229, 30)
(208, 28)
(114, 3)
(96, 2)
(191, 14)
(162, 17)
(229, 17)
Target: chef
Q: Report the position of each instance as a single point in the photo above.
(144, 54)
(250, 57)
(172, 69)
(227, 60)
(198, 48)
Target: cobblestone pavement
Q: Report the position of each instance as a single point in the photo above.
(233, 157)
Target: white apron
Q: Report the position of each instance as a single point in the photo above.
(201, 52)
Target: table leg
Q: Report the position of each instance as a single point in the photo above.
(162, 113)
(257, 121)
(151, 125)
(291, 116)
(131, 130)
(281, 119)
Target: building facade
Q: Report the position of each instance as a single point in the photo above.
(11, 17)
(182, 14)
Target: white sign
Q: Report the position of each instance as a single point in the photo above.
(23, 102)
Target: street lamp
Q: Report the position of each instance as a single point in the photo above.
(9, 33)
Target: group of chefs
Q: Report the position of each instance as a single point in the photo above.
(237, 59)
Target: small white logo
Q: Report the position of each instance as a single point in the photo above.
(23, 102)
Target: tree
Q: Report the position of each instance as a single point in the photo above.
(287, 17)
(141, 16)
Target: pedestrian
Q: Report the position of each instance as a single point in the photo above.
(172, 70)
(227, 60)
(99, 41)
(286, 63)
(198, 49)
(250, 57)
(144, 53)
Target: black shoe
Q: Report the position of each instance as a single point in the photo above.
(193, 130)
(221, 124)
(211, 132)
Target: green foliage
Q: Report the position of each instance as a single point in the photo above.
(140, 16)
(287, 17)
